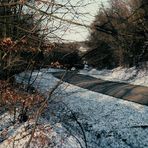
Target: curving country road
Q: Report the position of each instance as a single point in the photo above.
(134, 93)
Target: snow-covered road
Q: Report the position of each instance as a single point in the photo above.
(83, 118)
(106, 121)
(125, 91)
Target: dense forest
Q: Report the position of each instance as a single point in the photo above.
(119, 35)
(25, 37)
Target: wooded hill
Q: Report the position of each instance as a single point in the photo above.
(119, 35)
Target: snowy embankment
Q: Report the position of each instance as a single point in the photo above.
(78, 118)
(129, 75)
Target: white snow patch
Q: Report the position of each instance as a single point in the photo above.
(128, 75)
(107, 121)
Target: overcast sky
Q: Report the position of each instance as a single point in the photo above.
(61, 29)
(77, 33)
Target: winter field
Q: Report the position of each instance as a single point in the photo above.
(76, 117)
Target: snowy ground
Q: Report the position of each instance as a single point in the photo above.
(82, 118)
(129, 75)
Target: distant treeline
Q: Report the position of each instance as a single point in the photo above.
(119, 35)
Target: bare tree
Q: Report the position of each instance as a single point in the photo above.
(123, 27)
(28, 29)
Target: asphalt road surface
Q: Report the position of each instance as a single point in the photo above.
(134, 93)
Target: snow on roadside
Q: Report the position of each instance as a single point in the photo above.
(129, 75)
(46, 135)
(107, 121)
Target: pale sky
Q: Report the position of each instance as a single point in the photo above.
(64, 30)
(77, 33)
